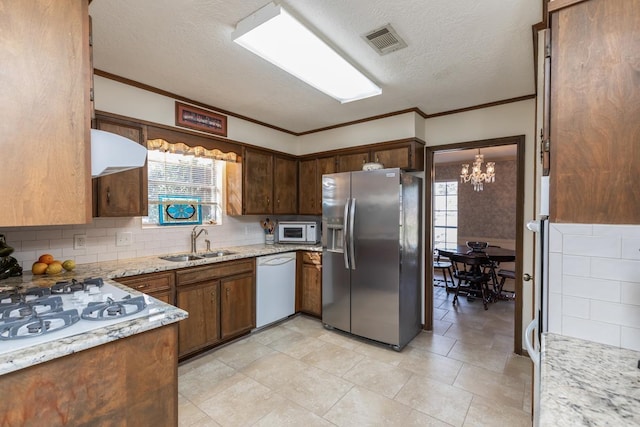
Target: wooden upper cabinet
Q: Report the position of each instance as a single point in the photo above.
(310, 186)
(45, 110)
(595, 106)
(258, 182)
(307, 197)
(406, 156)
(270, 183)
(122, 194)
(285, 186)
(352, 161)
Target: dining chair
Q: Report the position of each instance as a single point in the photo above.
(444, 267)
(471, 275)
(504, 275)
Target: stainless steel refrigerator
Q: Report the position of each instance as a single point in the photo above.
(371, 266)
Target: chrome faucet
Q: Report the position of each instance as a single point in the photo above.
(194, 238)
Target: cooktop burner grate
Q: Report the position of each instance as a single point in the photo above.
(38, 324)
(111, 309)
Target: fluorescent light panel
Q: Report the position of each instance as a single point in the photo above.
(278, 37)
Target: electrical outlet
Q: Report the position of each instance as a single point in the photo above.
(124, 238)
(79, 241)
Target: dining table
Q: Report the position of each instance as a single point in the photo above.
(495, 254)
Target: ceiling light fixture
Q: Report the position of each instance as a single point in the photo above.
(477, 177)
(273, 34)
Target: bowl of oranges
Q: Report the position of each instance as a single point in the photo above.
(47, 264)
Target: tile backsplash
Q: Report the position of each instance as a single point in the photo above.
(594, 283)
(30, 242)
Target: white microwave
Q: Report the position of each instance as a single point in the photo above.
(298, 232)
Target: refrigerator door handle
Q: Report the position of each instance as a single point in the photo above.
(345, 233)
(352, 213)
(528, 342)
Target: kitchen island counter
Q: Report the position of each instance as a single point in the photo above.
(587, 383)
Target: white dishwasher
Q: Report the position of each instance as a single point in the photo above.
(275, 287)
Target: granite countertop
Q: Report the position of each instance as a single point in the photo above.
(151, 264)
(587, 383)
(163, 314)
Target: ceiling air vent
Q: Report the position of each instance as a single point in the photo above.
(384, 40)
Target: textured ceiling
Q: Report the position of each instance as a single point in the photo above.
(460, 53)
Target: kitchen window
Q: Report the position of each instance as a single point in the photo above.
(184, 175)
(445, 214)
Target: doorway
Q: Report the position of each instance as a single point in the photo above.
(518, 142)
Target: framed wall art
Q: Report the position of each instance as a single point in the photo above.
(199, 119)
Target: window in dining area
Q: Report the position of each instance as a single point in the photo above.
(445, 214)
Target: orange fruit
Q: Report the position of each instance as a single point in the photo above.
(39, 268)
(54, 268)
(46, 258)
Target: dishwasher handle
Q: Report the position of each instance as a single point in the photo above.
(277, 261)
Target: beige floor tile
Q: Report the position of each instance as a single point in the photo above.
(439, 313)
(271, 334)
(519, 367)
(197, 361)
(380, 352)
(466, 317)
(361, 407)
(297, 345)
(378, 377)
(485, 413)
(498, 388)
(418, 419)
(340, 338)
(432, 342)
(526, 400)
(242, 353)
(440, 327)
(480, 356)
(189, 414)
(242, 404)
(431, 365)
(315, 390)
(290, 414)
(308, 326)
(275, 370)
(502, 342)
(333, 358)
(441, 401)
(204, 381)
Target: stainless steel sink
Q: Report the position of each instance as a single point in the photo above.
(180, 258)
(215, 254)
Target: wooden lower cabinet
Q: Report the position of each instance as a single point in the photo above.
(158, 285)
(309, 292)
(220, 299)
(202, 328)
(237, 305)
(132, 381)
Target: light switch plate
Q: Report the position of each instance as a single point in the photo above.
(124, 238)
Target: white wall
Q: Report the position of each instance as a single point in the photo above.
(118, 98)
(594, 283)
(495, 122)
(386, 129)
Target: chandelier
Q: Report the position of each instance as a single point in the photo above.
(477, 177)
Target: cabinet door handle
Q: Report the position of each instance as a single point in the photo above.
(228, 289)
(268, 202)
(213, 296)
(108, 195)
(146, 285)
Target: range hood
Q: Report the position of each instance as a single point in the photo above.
(112, 153)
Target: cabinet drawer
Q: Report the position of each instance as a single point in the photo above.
(207, 272)
(152, 282)
(312, 258)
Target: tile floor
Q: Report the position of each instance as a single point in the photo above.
(299, 374)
